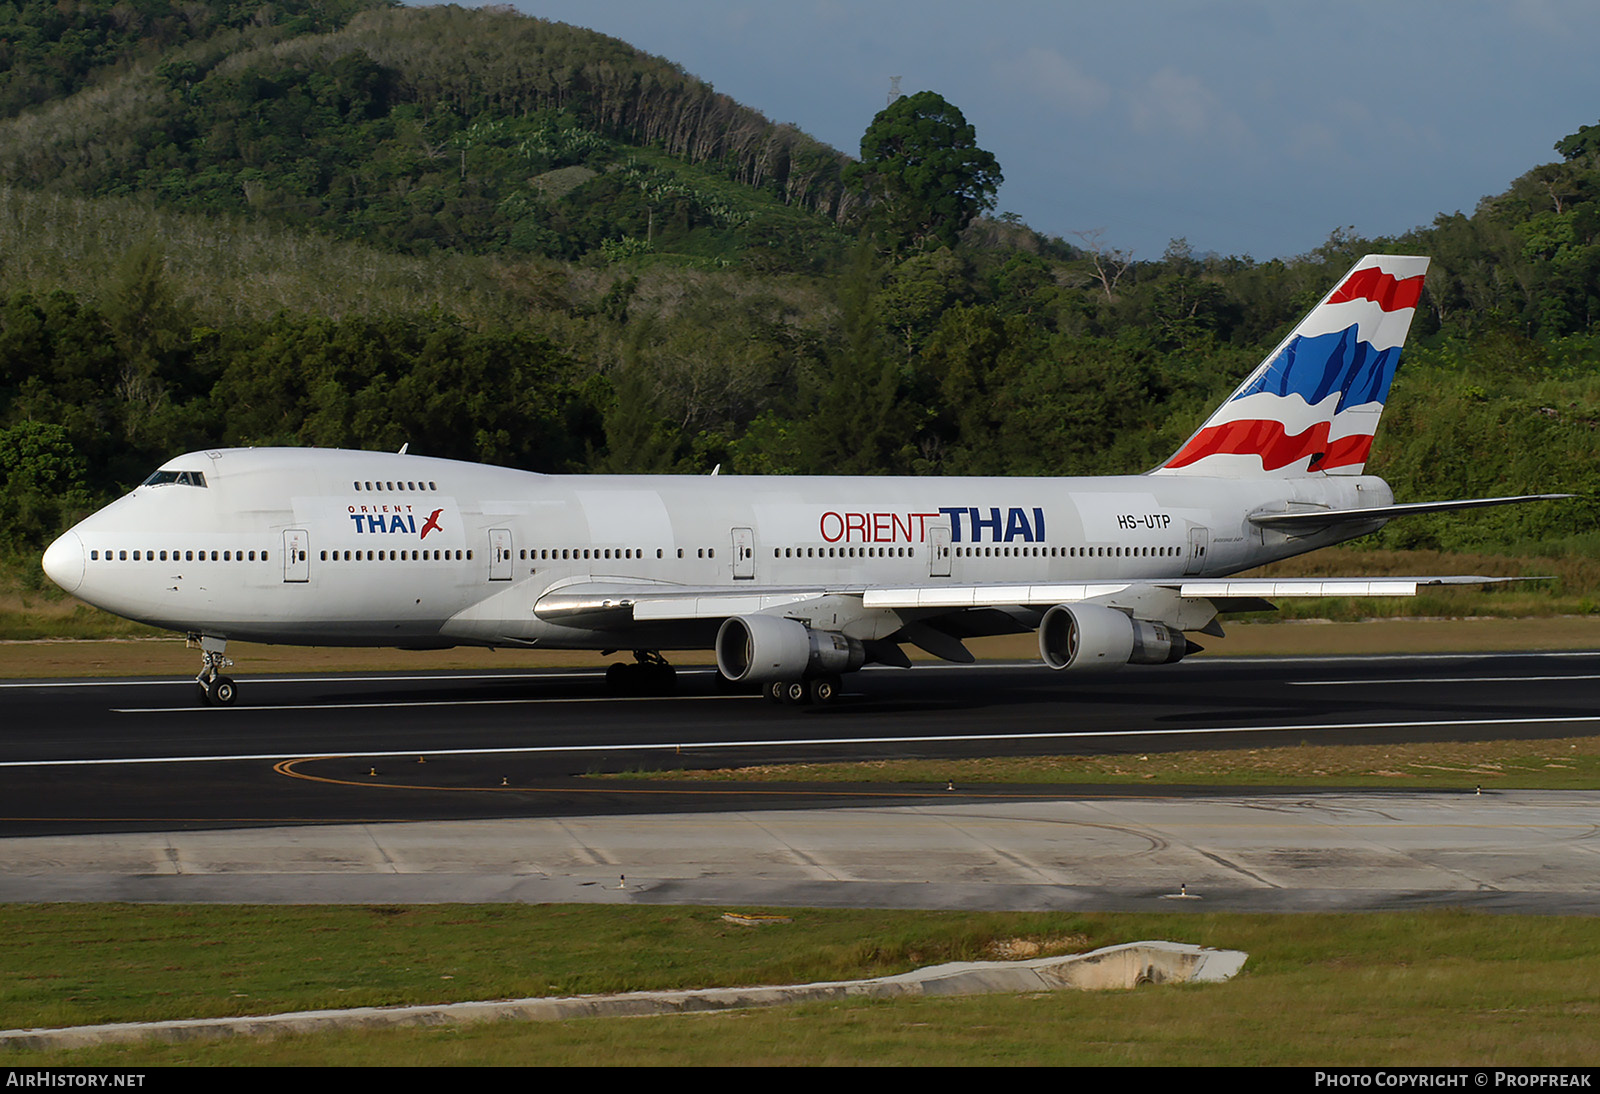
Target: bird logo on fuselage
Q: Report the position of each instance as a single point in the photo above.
(431, 524)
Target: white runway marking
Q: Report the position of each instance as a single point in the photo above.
(179, 681)
(407, 704)
(792, 742)
(1438, 680)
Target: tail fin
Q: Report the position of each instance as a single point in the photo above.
(1313, 404)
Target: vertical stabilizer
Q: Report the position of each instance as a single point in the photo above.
(1313, 404)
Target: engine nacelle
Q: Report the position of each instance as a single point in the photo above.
(1080, 636)
(758, 649)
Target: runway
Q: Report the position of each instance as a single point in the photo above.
(401, 787)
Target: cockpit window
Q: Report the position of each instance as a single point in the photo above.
(182, 478)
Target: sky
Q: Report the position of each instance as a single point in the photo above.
(1246, 127)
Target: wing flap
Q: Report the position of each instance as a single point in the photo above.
(988, 596)
(718, 605)
(1285, 588)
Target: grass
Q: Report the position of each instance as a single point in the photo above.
(1563, 764)
(1418, 989)
(1573, 588)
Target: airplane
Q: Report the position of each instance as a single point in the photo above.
(793, 582)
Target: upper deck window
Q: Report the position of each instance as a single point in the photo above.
(182, 478)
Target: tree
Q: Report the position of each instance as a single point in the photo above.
(41, 483)
(923, 173)
(1576, 146)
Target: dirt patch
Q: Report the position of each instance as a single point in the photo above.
(1026, 949)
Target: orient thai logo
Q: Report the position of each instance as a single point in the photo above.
(968, 523)
(391, 519)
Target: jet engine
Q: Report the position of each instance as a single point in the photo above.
(759, 649)
(1079, 636)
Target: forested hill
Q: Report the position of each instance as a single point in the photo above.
(423, 129)
(347, 223)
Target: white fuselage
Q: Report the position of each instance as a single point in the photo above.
(333, 547)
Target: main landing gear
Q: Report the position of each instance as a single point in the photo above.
(213, 688)
(820, 690)
(648, 675)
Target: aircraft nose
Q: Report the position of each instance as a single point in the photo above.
(63, 561)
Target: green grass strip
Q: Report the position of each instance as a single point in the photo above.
(1424, 988)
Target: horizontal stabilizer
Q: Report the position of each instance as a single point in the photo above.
(1306, 520)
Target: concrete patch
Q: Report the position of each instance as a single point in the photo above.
(1124, 966)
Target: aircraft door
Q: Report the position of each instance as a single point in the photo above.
(499, 554)
(744, 554)
(296, 555)
(1198, 537)
(938, 550)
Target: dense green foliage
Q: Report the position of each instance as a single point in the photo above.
(51, 50)
(439, 129)
(496, 238)
(924, 172)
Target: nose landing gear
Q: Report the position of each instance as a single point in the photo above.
(211, 687)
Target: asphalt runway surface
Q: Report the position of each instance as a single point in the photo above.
(110, 755)
(467, 786)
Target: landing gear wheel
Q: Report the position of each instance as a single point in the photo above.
(646, 677)
(796, 693)
(224, 691)
(211, 687)
(773, 690)
(660, 679)
(824, 689)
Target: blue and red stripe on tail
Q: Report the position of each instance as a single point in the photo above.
(1313, 404)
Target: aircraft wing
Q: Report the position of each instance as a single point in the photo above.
(610, 604)
(977, 596)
